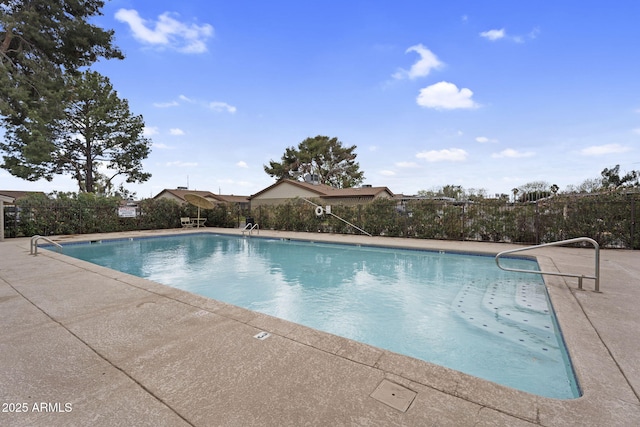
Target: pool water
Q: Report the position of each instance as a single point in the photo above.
(458, 311)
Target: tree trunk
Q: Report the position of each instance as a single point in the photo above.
(88, 172)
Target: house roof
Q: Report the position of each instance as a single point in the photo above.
(226, 198)
(319, 189)
(358, 192)
(326, 191)
(15, 195)
(231, 198)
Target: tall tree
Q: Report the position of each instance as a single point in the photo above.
(612, 180)
(535, 190)
(41, 41)
(322, 157)
(98, 132)
(591, 185)
(456, 192)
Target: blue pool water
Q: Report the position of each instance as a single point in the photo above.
(458, 311)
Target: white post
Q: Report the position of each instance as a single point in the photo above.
(1, 220)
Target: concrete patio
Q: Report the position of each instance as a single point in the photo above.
(85, 345)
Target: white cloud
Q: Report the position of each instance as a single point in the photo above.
(484, 140)
(387, 173)
(242, 164)
(493, 35)
(513, 154)
(221, 107)
(167, 31)
(150, 131)
(166, 104)
(636, 131)
(598, 150)
(176, 132)
(534, 33)
(216, 106)
(445, 95)
(445, 155)
(427, 62)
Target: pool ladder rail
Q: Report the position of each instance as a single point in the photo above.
(33, 250)
(250, 227)
(596, 275)
(327, 211)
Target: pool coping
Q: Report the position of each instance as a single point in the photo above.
(609, 396)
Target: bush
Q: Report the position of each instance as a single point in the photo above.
(69, 213)
(609, 218)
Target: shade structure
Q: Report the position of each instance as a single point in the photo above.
(200, 202)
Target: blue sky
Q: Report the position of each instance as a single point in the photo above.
(482, 94)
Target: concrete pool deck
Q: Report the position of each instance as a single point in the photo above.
(85, 345)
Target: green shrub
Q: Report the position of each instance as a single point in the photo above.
(609, 218)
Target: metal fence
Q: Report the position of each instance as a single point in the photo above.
(610, 219)
(52, 217)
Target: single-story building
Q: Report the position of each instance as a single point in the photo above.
(8, 198)
(178, 195)
(17, 195)
(287, 189)
(3, 199)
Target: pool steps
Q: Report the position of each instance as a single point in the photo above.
(516, 312)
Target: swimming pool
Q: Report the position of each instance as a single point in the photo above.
(458, 311)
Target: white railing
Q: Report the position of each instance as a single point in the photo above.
(320, 211)
(596, 275)
(250, 227)
(33, 249)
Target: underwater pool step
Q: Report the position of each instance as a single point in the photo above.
(497, 309)
(523, 303)
(532, 296)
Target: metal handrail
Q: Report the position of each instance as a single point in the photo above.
(250, 227)
(320, 210)
(596, 275)
(33, 249)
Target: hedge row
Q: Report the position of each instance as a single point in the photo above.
(608, 218)
(86, 213)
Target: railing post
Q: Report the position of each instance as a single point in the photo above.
(462, 225)
(34, 244)
(597, 270)
(537, 222)
(633, 222)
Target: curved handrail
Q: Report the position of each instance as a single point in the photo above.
(33, 249)
(250, 227)
(595, 244)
